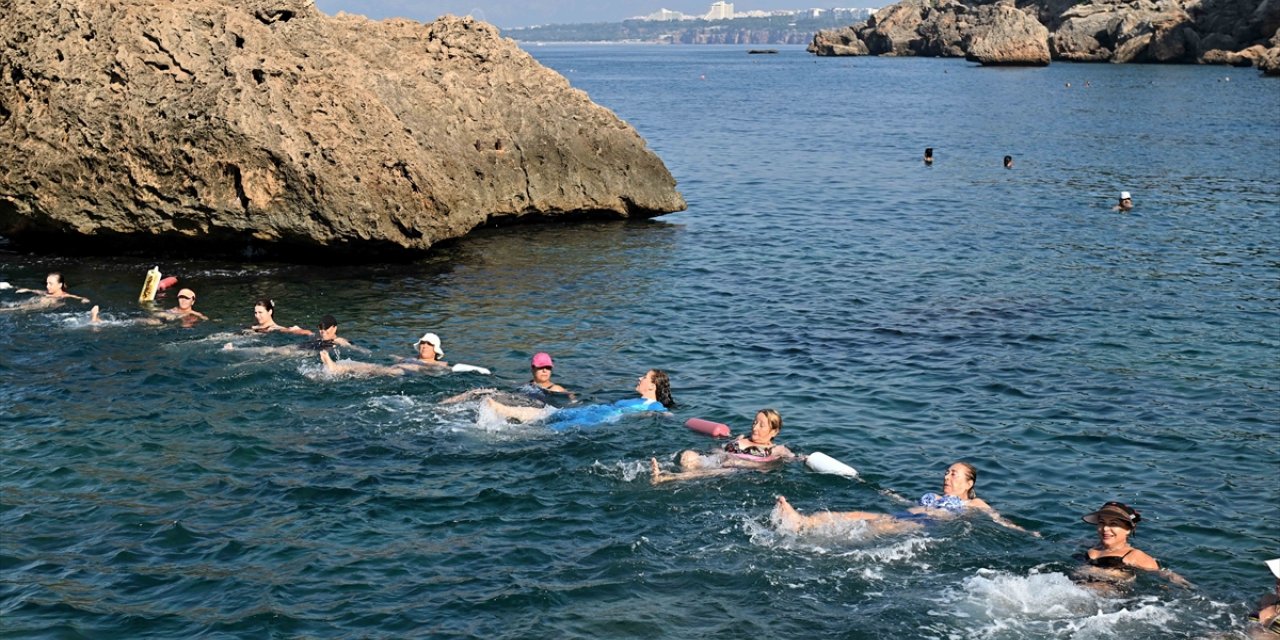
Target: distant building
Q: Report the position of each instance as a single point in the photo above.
(665, 15)
(720, 11)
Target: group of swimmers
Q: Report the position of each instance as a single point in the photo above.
(1111, 563)
(1125, 202)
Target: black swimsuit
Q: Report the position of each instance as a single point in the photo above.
(1109, 562)
(316, 345)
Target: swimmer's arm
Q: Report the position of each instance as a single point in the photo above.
(467, 395)
(343, 342)
(782, 452)
(296, 330)
(981, 505)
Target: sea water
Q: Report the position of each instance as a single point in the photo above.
(156, 484)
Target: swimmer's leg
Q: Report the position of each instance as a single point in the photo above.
(93, 315)
(469, 394)
(329, 364)
(521, 414)
(788, 519)
(690, 460)
(659, 477)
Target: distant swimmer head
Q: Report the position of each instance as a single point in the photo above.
(541, 361)
(433, 340)
(1115, 513)
(928, 155)
(263, 308)
(1008, 162)
(960, 480)
(1126, 201)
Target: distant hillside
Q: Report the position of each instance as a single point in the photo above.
(790, 29)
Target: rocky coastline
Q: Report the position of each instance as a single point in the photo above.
(266, 124)
(1034, 32)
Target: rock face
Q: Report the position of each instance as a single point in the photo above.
(155, 122)
(1210, 31)
(1005, 35)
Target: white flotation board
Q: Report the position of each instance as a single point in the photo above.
(823, 463)
(707, 427)
(150, 285)
(470, 368)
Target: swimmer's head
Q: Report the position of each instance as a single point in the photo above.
(434, 341)
(767, 425)
(928, 155)
(53, 283)
(1126, 201)
(662, 387)
(960, 480)
(186, 295)
(266, 303)
(1008, 162)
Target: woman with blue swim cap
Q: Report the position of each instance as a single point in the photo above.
(958, 498)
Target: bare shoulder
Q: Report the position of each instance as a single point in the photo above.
(1141, 560)
(979, 503)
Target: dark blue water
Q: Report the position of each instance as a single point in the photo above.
(155, 485)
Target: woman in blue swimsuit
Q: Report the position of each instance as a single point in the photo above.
(654, 388)
(957, 498)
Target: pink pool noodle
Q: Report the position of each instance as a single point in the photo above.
(713, 429)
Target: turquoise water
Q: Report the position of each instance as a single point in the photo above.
(157, 485)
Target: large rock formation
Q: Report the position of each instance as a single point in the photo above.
(153, 122)
(1210, 31)
(1004, 35)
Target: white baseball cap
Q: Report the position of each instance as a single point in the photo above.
(433, 340)
(1124, 195)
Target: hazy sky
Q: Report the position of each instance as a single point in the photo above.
(524, 13)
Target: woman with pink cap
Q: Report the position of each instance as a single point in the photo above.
(540, 367)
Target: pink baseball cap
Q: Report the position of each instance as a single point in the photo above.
(541, 360)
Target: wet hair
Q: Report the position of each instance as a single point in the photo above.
(773, 418)
(61, 281)
(663, 383)
(973, 475)
(266, 303)
(1008, 160)
(327, 321)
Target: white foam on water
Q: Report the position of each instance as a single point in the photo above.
(996, 605)
(625, 470)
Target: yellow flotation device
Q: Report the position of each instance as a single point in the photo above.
(150, 285)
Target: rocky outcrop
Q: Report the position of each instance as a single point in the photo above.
(1004, 35)
(266, 122)
(1212, 31)
(837, 42)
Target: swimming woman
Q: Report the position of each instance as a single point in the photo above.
(1266, 620)
(1113, 561)
(654, 388)
(958, 498)
(539, 391)
(755, 451)
(55, 291)
(264, 311)
(428, 359)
